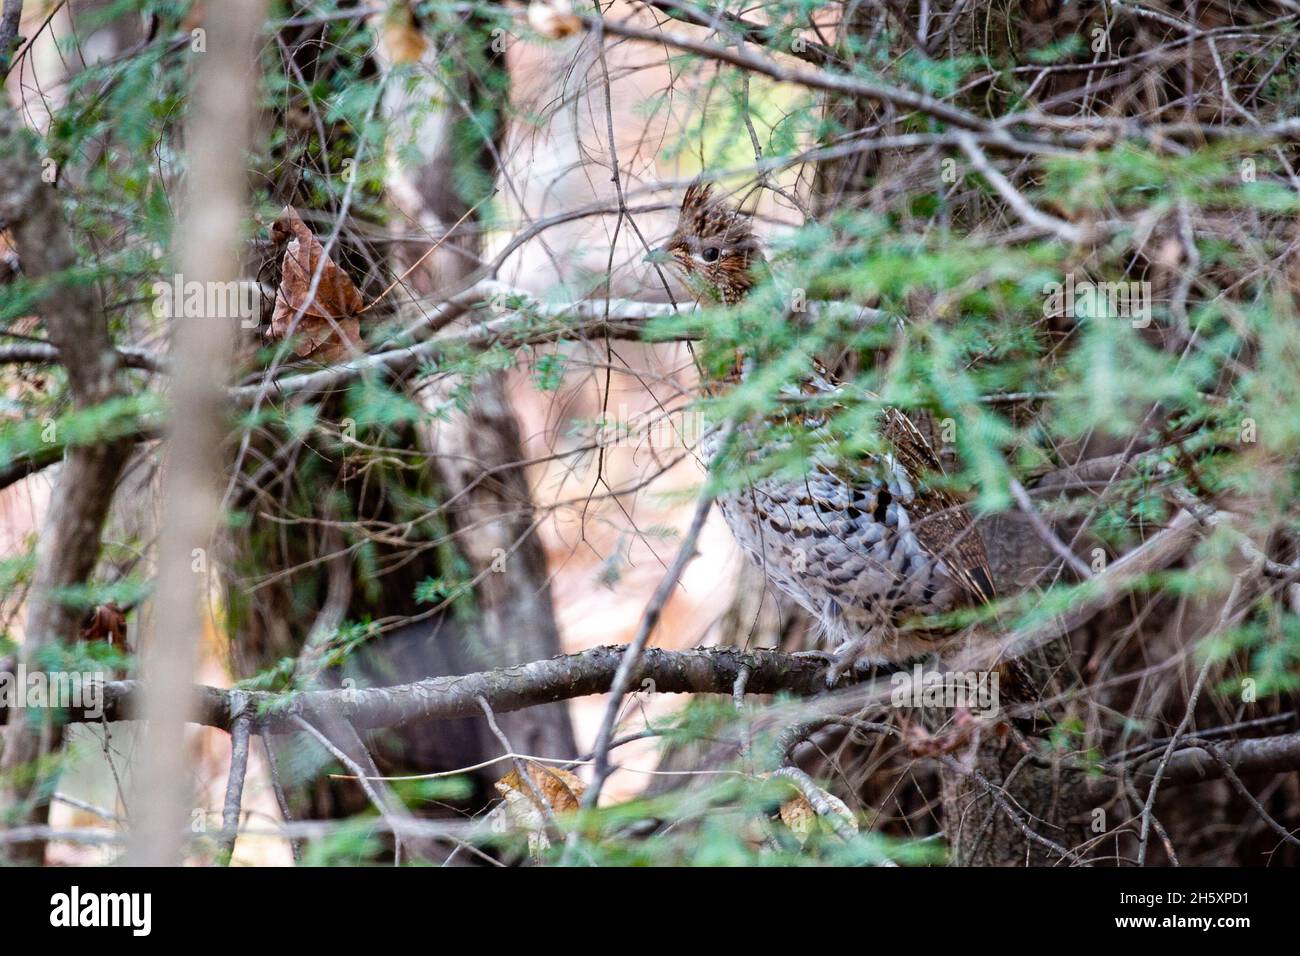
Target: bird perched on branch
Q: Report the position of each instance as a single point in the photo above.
(870, 547)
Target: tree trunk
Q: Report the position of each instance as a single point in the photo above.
(479, 453)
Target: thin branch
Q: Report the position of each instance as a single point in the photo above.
(1065, 231)
(281, 800)
(40, 353)
(999, 798)
(363, 778)
(239, 737)
(1186, 721)
(760, 34)
(649, 620)
(1026, 505)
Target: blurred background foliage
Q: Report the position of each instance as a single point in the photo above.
(1169, 163)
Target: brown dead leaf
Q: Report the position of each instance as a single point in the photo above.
(523, 811)
(401, 37)
(798, 814)
(553, 19)
(8, 259)
(105, 622)
(328, 330)
(561, 789)
(802, 819)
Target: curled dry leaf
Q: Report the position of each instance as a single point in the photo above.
(105, 622)
(9, 267)
(400, 36)
(553, 19)
(328, 330)
(561, 789)
(799, 815)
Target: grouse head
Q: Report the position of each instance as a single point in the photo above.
(713, 247)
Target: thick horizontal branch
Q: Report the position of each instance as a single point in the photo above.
(520, 321)
(617, 318)
(614, 318)
(711, 670)
(1280, 754)
(574, 321)
(698, 671)
(40, 353)
(29, 463)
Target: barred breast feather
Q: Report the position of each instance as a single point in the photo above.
(866, 547)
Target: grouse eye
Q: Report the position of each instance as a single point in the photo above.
(710, 254)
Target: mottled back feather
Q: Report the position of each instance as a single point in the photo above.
(881, 539)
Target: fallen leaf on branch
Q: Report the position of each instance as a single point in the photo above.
(799, 816)
(328, 329)
(9, 267)
(554, 20)
(105, 622)
(400, 35)
(560, 789)
(802, 819)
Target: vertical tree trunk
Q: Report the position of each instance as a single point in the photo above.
(70, 541)
(479, 454)
(1052, 802)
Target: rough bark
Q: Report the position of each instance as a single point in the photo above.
(479, 453)
(70, 541)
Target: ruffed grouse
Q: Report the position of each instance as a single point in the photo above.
(866, 546)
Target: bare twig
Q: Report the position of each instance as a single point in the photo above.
(239, 737)
(1188, 714)
(1065, 231)
(1026, 505)
(649, 620)
(281, 800)
(999, 798)
(362, 777)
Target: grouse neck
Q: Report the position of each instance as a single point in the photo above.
(729, 296)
